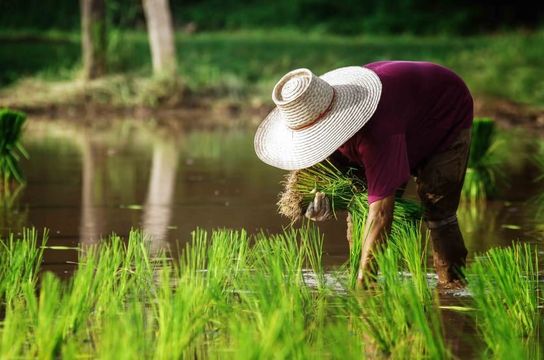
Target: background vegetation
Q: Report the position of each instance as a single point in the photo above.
(239, 51)
(343, 17)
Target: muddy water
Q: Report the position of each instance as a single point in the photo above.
(85, 183)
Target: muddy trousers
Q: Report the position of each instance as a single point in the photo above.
(439, 183)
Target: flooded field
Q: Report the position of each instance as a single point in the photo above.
(85, 183)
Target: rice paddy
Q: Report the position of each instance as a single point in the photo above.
(231, 295)
(234, 293)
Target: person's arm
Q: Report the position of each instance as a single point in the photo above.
(377, 228)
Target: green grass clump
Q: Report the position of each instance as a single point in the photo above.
(505, 287)
(481, 175)
(20, 257)
(400, 314)
(11, 149)
(345, 191)
(229, 295)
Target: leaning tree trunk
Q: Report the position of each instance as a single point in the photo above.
(93, 38)
(161, 35)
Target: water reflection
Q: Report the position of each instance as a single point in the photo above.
(160, 193)
(89, 228)
(85, 183)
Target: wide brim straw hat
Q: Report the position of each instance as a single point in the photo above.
(314, 115)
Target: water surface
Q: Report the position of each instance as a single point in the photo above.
(87, 182)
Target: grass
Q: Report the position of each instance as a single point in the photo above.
(401, 315)
(483, 162)
(245, 65)
(229, 295)
(506, 289)
(11, 148)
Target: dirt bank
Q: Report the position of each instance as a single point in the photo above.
(212, 110)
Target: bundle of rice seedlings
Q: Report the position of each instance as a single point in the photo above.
(11, 149)
(481, 175)
(345, 191)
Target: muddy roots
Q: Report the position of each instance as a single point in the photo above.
(290, 199)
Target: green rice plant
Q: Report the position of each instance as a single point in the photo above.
(124, 333)
(274, 301)
(11, 148)
(45, 314)
(357, 234)
(312, 245)
(182, 315)
(482, 168)
(505, 287)
(19, 262)
(400, 315)
(12, 330)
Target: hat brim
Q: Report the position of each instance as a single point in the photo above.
(357, 93)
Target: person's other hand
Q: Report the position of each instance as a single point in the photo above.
(319, 209)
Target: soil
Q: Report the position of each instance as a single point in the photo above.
(220, 111)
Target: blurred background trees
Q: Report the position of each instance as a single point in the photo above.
(344, 17)
(161, 35)
(93, 38)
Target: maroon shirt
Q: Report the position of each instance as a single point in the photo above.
(422, 108)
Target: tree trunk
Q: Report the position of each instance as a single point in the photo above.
(161, 35)
(93, 38)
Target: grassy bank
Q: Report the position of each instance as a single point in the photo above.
(39, 68)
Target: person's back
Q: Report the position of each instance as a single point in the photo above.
(426, 101)
(422, 109)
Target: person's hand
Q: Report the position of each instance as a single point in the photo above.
(319, 209)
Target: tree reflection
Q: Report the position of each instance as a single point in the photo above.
(160, 192)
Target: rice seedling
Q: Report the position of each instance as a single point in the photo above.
(400, 315)
(13, 326)
(20, 258)
(505, 287)
(482, 168)
(225, 298)
(124, 333)
(345, 191)
(11, 148)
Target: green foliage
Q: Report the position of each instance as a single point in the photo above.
(345, 191)
(229, 295)
(20, 258)
(245, 65)
(11, 148)
(400, 313)
(482, 169)
(505, 286)
(349, 16)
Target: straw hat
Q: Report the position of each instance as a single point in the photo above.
(314, 115)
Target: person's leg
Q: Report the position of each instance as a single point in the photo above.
(439, 184)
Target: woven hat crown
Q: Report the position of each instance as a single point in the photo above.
(302, 98)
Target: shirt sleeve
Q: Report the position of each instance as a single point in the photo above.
(386, 165)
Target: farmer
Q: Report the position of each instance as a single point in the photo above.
(391, 119)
